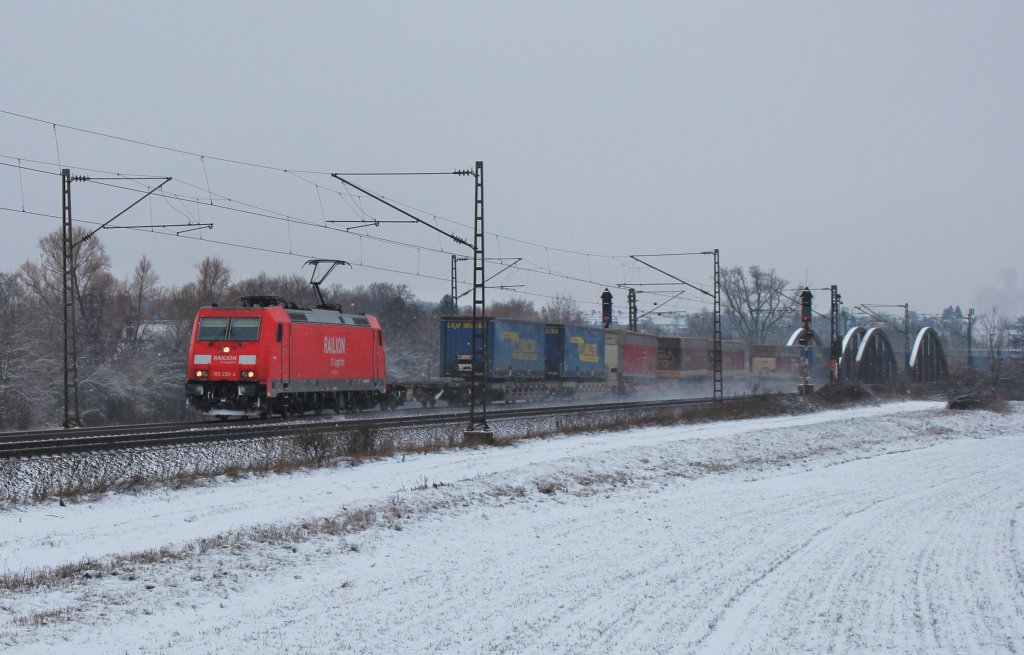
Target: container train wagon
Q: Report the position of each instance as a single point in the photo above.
(692, 359)
(526, 360)
(529, 360)
(780, 368)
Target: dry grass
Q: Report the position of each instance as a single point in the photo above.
(45, 617)
(349, 523)
(83, 478)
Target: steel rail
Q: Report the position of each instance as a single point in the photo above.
(47, 443)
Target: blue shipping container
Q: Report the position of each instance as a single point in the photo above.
(554, 350)
(515, 349)
(574, 352)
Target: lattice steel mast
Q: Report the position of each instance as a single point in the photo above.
(478, 387)
(718, 391)
(72, 409)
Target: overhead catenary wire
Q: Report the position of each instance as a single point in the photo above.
(180, 198)
(268, 213)
(361, 263)
(298, 173)
(228, 243)
(282, 169)
(139, 143)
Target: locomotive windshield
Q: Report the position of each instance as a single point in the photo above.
(244, 329)
(219, 328)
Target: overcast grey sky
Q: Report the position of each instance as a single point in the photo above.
(873, 145)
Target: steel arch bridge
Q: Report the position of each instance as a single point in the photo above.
(927, 359)
(868, 356)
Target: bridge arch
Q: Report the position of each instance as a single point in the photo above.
(867, 356)
(851, 344)
(876, 361)
(927, 358)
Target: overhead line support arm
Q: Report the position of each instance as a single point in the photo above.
(398, 209)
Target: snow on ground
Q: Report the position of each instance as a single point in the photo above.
(892, 528)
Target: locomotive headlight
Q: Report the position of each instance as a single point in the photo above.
(248, 374)
(227, 349)
(200, 374)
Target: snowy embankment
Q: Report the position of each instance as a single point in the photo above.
(895, 528)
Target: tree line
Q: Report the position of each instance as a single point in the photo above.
(133, 334)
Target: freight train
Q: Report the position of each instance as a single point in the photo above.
(269, 356)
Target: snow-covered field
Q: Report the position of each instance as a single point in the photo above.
(897, 528)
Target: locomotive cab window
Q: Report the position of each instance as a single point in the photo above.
(212, 328)
(244, 329)
(219, 328)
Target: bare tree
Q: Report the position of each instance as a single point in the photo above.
(564, 310)
(212, 281)
(142, 290)
(514, 309)
(755, 303)
(90, 268)
(97, 292)
(994, 328)
(448, 306)
(18, 355)
(295, 288)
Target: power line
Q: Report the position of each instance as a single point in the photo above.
(26, 168)
(150, 230)
(297, 174)
(147, 144)
(262, 212)
(349, 198)
(273, 251)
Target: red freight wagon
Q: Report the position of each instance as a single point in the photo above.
(670, 357)
(696, 357)
(630, 357)
(270, 356)
(734, 356)
(775, 362)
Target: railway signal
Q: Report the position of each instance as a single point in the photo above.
(805, 307)
(806, 338)
(606, 309)
(807, 335)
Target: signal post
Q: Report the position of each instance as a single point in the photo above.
(806, 340)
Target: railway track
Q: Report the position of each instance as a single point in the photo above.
(64, 442)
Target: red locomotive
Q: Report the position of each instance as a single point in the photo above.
(268, 355)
